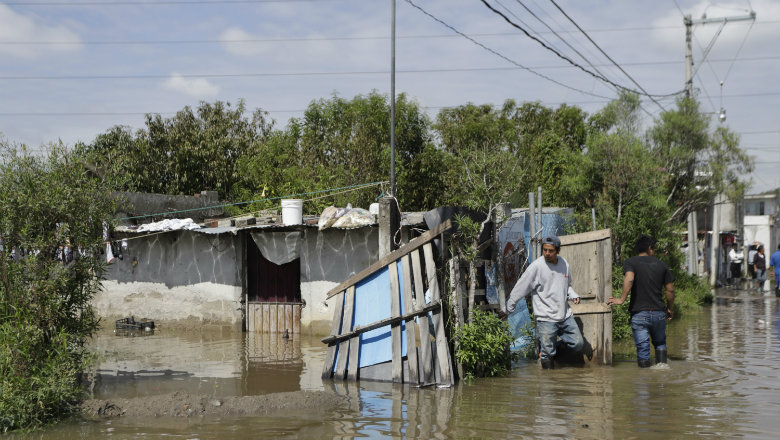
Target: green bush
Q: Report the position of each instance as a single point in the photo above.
(483, 346)
(50, 206)
(39, 376)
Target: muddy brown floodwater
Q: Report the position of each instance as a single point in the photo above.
(723, 381)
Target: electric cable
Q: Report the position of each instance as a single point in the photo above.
(502, 56)
(597, 76)
(605, 54)
(557, 35)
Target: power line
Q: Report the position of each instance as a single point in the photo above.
(501, 55)
(605, 54)
(557, 35)
(597, 76)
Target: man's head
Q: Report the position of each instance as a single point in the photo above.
(734, 246)
(761, 249)
(551, 245)
(645, 245)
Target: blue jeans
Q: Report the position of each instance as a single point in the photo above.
(548, 333)
(647, 325)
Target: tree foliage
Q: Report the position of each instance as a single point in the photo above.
(699, 164)
(194, 150)
(51, 229)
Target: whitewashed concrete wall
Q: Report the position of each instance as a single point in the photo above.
(191, 279)
(329, 258)
(180, 278)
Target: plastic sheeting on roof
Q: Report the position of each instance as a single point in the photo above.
(278, 247)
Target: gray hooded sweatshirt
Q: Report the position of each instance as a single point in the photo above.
(551, 286)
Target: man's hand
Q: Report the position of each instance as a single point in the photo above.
(613, 301)
(501, 314)
(669, 314)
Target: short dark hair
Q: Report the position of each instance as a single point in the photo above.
(644, 243)
(778, 247)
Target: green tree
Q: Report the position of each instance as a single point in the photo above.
(50, 206)
(192, 151)
(699, 164)
(347, 142)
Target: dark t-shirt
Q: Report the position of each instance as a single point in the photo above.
(760, 262)
(650, 276)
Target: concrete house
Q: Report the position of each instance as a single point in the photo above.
(249, 274)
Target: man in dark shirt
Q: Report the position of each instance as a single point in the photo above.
(645, 276)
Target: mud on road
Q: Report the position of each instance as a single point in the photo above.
(182, 404)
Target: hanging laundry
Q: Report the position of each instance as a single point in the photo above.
(109, 254)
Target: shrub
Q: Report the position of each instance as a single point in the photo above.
(483, 346)
(52, 213)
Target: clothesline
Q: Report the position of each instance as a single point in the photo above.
(352, 187)
(343, 190)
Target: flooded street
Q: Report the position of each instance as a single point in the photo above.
(723, 382)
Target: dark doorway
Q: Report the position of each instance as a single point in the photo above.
(271, 283)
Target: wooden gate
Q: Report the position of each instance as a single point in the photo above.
(410, 278)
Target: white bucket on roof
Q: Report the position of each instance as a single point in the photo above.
(292, 211)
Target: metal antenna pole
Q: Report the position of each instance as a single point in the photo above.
(392, 102)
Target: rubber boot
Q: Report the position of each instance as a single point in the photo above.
(547, 364)
(644, 363)
(660, 355)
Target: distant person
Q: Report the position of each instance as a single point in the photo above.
(759, 263)
(735, 264)
(774, 262)
(645, 277)
(752, 249)
(548, 279)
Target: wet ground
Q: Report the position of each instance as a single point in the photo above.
(723, 381)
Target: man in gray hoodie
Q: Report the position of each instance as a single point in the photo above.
(548, 279)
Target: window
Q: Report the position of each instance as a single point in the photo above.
(754, 208)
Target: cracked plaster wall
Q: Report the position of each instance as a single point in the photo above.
(329, 258)
(183, 278)
(191, 279)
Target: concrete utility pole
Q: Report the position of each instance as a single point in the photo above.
(693, 254)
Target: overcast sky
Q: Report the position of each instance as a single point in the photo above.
(71, 69)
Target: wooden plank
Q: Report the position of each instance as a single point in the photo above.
(349, 304)
(266, 318)
(288, 317)
(426, 361)
(354, 357)
(395, 329)
(297, 319)
(384, 322)
(274, 320)
(393, 256)
(411, 326)
(567, 240)
(335, 329)
(600, 287)
(442, 345)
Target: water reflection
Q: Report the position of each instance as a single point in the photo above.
(723, 381)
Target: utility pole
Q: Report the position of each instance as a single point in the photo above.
(392, 101)
(693, 254)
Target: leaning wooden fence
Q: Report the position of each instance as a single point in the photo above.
(409, 320)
